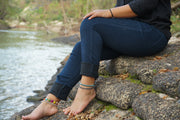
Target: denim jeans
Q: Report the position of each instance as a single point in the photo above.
(103, 39)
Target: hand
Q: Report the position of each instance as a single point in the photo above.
(98, 13)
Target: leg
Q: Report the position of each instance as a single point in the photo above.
(125, 36)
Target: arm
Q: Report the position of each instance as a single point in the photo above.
(133, 9)
(119, 12)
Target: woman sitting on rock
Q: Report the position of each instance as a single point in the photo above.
(132, 28)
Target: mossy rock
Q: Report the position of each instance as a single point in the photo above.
(4, 25)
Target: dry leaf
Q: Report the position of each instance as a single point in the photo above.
(166, 55)
(175, 69)
(143, 92)
(124, 76)
(158, 57)
(133, 113)
(165, 96)
(163, 70)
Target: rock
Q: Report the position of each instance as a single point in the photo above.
(73, 92)
(4, 25)
(34, 98)
(13, 23)
(22, 24)
(71, 40)
(167, 82)
(117, 115)
(17, 116)
(58, 116)
(177, 34)
(150, 106)
(166, 97)
(120, 93)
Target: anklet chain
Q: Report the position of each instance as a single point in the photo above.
(53, 102)
(87, 87)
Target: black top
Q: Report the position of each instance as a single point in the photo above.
(153, 12)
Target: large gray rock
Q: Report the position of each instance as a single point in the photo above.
(119, 92)
(150, 106)
(168, 83)
(58, 116)
(71, 40)
(116, 115)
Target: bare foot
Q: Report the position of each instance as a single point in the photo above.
(44, 109)
(67, 110)
(82, 99)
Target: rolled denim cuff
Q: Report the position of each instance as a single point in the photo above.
(89, 70)
(60, 91)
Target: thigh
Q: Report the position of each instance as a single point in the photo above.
(130, 37)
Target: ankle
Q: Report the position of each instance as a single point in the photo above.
(52, 97)
(87, 80)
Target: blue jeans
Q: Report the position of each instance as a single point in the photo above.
(103, 39)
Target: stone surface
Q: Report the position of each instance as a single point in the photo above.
(150, 106)
(58, 116)
(117, 115)
(71, 40)
(4, 25)
(167, 82)
(118, 92)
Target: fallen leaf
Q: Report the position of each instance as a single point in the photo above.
(158, 57)
(124, 76)
(143, 92)
(133, 113)
(175, 69)
(163, 70)
(165, 96)
(166, 55)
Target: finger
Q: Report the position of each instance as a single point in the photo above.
(89, 14)
(92, 16)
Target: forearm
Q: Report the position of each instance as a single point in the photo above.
(123, 12)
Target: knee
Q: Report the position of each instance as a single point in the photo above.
(84, 24)
(87, 24)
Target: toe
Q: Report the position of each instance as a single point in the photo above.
(25, 117)
(67, 110)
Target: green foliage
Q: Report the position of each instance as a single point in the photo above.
(134, 79)
(110, 107)
(175, 18)
(63, 10)
(8, 8)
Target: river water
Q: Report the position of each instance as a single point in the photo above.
(28, 59)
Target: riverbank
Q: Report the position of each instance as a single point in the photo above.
(129, 88)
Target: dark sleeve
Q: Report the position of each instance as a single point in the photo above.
(141, 7)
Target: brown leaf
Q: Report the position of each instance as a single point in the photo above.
(158, 57)
(166, 55)
(163, 70)
(165, 96)
(124, 76)
(175, 69)
(143, 92)
(133, 113)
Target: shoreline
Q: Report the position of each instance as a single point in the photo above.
(133, 94)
